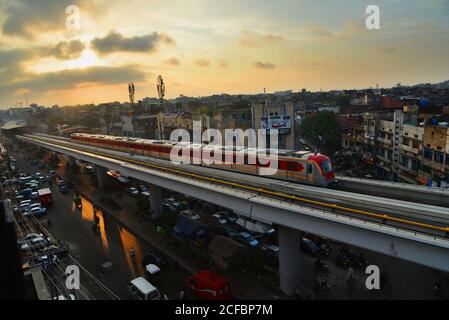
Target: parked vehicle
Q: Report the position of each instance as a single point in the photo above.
(36, 211)
(141, 289)
(153, 258)
(190, 214)
(231, 216)
(210, 286)
(144, 191)
(309, 247)
(271, 249)
(246, 238)
(45, 197)
(152, 272)
(229, 231)
(171, 204)
(220, 219)
(133, 191)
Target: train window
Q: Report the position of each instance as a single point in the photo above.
(310, 169)
(292, 166)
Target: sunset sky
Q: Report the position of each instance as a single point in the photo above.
(202, 47)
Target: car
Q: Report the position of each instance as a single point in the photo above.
(229, 231)
(36, 211)
(24, 207)
(153, 258)
(219, 218)
(309, 247)
(248, 239)
(231, 216)
(190, 214)
(133, 191)
(52, 173)
(26, 192)
(89, 169)
(30, 237)
(144, 191)
(34, 195)
(35, 243)
(35, 205)
(172, 205)
(45, 260)
(271, 249)
(65, 297)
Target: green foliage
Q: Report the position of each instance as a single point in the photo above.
(322, 124)
(342, 100)
(207, 111)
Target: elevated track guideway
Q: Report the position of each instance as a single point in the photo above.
(409, 231)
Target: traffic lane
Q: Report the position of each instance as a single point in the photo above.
(112, 243)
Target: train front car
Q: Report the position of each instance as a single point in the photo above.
(326, 170)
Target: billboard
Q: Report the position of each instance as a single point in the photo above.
(275, 122)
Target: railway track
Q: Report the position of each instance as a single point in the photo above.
(422, 222)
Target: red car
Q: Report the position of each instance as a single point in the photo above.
(210, 286)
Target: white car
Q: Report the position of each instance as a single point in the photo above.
(133, 192)
(35, 243)
(36, 211)
(190, 214)
(220, 219)
(271, 249)
(29, 237)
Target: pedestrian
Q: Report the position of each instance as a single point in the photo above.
(132, 254)
(181, 294)
(97, 220)
(165, 297)
(49, 222)
(350, 277)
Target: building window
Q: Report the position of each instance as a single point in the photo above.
(405, 162)
(439, 156)
(405, 141)
(390, 155)
(428, 153)
(415, 164)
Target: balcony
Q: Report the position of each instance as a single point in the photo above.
(386, 160)
(407, 169)
(406, 148)
(384, 141)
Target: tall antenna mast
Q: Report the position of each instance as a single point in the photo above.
(160, 89)
(132, 91)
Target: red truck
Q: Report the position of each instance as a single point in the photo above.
(45, 197)
(210, 286)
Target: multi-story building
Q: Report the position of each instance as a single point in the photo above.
(274, 114)
(435, 156)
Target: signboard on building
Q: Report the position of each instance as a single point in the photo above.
(275, 122)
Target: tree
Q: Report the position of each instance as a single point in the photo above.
(343, 100)
(322, 130)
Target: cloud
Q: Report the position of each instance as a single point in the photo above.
(67, 50)
(29, 18)
(202, 63)
(253, 39)
(172, 61)
(116, 42)
(263, 65)
(319, 31)
(67, 79)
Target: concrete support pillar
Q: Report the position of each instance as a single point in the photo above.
(156, 200)
(72, 162)
(289, 259)
(101, 176)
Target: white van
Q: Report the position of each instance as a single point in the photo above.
(141, 289)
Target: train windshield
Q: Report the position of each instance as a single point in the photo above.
(326, 165)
